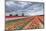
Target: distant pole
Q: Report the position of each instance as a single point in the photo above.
(23, 13)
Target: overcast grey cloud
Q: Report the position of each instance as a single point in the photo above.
(28, 8)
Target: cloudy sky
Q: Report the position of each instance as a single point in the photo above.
(28, 8)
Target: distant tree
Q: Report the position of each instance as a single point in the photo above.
(41, 15)
(10, 14)
(16, 15)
